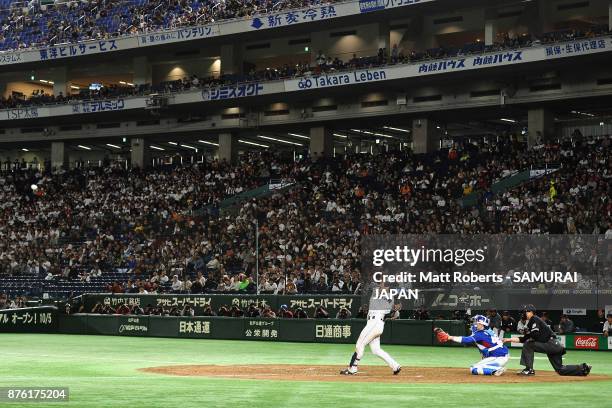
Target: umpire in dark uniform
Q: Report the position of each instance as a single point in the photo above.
(539, 338)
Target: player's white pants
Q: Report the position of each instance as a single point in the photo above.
(488, 366)
(371, 335)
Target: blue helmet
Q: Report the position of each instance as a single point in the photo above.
(480, 319)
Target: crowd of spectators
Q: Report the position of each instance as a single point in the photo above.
(144, 225)
(12, 303)
(40, 97)
(27, 24)
(321, 64)
(32, 24)
(506, 323)
(83, 221)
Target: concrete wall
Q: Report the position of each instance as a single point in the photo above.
(174, 71)
(363, 43)
(597, 9)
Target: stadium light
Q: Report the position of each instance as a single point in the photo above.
(582, 113)
(508, 120)
(84, 147)
(367, 132)
(74, 87)
(300, 136)
(173, 143)
(397, 129)
(280, 140)
(156, 147)
(25, 150)
(339, 135)
(252, 143)
(208, 143)
(112, 145)
(190, 147)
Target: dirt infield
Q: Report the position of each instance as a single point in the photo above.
(366, 374)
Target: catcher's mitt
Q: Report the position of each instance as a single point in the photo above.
(441, 335)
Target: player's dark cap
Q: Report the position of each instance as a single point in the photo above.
(609, 315)
(505, 313)
(529, 308)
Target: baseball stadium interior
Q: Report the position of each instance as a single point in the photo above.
(204, 171)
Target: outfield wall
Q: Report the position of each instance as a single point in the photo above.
(42, 319)
(413, 332)
(47, 319)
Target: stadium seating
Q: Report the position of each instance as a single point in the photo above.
(398, 192)
(299, 70)
(29, 24)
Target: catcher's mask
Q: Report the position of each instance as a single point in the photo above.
(480, 319)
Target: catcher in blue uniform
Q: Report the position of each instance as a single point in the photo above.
(494, 353)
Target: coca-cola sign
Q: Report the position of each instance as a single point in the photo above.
(586, 342)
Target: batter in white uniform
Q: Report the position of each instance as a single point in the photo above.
(371, 335)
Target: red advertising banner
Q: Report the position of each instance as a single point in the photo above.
(586, 342)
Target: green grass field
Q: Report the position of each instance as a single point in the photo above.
(101, 371)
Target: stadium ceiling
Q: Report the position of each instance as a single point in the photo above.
(298, 139)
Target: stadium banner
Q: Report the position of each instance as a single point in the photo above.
(219, 93)
(577, 341)
(319, 12)
(74, 108)
(286, 18)
(332, 303)
(29, 320)
(574, 311)
(562, 340)
(450, 65)
(133, 325)
(209, 327)
(415, 332)
(225, 92)
(32, 112)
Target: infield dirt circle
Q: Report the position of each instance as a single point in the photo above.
(378, 374)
